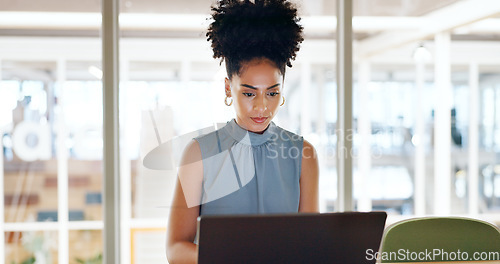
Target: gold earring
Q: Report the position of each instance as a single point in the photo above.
(282, 103)
(225, 101)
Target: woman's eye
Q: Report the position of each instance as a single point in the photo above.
(248, 94)
(273, 93)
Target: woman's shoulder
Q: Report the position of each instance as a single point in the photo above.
(191, 153)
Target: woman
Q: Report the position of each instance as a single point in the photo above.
(249, 166)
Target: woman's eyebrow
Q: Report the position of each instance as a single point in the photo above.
(251, 87)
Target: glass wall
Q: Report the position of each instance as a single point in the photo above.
(50, 127)
(426, 106)
(489, 169)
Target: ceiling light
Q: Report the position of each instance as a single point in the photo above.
(421, 54)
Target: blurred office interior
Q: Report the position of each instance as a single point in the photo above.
(426, 114)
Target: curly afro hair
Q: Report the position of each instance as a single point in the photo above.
(243, 30)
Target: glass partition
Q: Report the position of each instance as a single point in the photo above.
(425, 104)
(50, 127)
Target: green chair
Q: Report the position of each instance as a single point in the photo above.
(440, 239)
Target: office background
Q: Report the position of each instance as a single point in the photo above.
(426, 126)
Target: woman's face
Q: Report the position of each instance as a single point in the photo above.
(256, 94)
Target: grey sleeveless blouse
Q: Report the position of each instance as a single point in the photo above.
(250, 173)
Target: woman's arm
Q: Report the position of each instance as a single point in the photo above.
(185, 208)
(309, 179)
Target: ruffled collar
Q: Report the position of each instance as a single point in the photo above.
(250, 138)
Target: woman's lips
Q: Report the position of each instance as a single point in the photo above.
(259, 119)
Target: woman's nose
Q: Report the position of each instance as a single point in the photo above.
(260, 104)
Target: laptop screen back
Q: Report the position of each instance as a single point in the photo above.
(294, 238)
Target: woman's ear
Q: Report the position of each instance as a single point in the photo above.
(227, 87)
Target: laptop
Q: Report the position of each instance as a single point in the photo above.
(291, 238)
